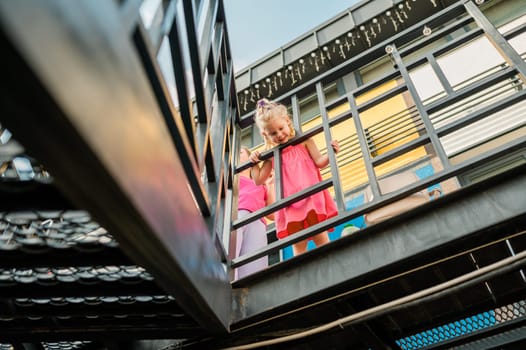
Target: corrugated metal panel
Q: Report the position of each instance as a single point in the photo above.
(300, 49)
(485, 129)
(243, 80)
(335, 29)
(370, 9)
(267, 67)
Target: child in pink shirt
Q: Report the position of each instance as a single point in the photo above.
(300, 170)
(252, 236)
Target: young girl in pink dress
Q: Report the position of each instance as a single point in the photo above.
(300, 170)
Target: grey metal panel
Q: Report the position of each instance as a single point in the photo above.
(370, 9)
(96, 124)
(267, 67)
(335, 29)
(299, 49)
(243, 80)
(439, 224)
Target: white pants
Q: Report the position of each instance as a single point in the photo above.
(249, 238)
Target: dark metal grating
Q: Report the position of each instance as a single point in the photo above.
(482, 321)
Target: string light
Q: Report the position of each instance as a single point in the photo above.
(336, 51)
(378, 26)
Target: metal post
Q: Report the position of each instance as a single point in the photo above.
(336, 183)
(430, 130)
(497, 40)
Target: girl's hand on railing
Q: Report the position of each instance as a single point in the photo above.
(335, 146)
(254, 157)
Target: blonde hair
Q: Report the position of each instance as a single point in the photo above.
(267, 110)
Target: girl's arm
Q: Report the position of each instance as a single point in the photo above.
(321, 160)
(260, 174)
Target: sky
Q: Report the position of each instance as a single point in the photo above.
(257, 28)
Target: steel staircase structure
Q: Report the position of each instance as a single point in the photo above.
(118, 237)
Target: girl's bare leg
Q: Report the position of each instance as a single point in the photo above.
(321, 239)
(300, 247)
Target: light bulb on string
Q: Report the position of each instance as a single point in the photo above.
(373, 33)
(327, 54)
(302, 62)
(402, 11)
(350, 35)
(378, 26)
(395, 25)
(340, 46)
(290, 71)
(316, 66)
(269, 83)
(245, 102)
(399, 17)
(366, 34)
(298, 71)
(287, 71)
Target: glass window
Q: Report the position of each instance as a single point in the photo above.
(376, 70)
(466, 62)
(426, 83)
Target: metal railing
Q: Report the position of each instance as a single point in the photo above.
(382, 146)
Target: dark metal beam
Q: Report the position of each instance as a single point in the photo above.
(77, 96)
(29, 195)
(102, 332)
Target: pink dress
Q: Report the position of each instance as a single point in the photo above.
(251, 196)
(252, 236)
(298, 173)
